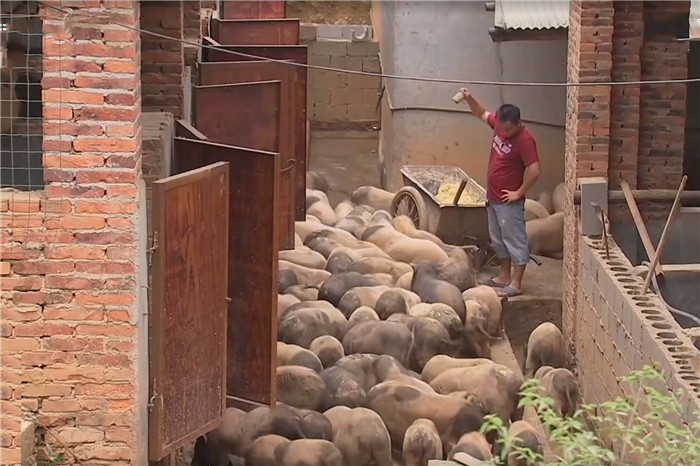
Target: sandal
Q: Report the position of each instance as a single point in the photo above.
(490, 282)
(509, 291)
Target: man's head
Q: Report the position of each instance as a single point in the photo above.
(509, 119)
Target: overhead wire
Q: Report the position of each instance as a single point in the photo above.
(72, 14)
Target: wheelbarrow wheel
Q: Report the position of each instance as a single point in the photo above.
(408, 201)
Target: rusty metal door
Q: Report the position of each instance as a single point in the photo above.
(255, 31)
(248, 71)
(189, 292)
(252, 257)
(247, 9)
(296, 54)
(249, 114)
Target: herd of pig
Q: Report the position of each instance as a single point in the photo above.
(383, 350)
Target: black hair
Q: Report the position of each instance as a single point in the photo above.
(508, 113)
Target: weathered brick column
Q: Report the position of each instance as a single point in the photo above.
(163, 59)
(587, 129)
(192, 29)
(69, 255)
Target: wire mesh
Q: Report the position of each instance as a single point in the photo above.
(21, 128)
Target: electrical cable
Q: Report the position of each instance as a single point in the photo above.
(383, 75)
(670, 308)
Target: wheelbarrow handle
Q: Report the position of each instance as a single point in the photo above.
(460, 190)
(535, 260)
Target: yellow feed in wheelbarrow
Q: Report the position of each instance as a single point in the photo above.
(470, 196)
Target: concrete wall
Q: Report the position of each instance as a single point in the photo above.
(338, 100)
(620, 330)
(450, 40)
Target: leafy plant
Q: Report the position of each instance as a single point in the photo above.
(644, 429)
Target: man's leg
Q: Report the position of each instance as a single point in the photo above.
(499, 247)
(515, 238)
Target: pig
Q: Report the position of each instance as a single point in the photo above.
(430, 289)
(360, 296)
(395, 301)
(383, 279)
(545, 347)
(443, 314)
(405, 225)
(361, 436)
(460, 269)
(524, 436)
(374, 197)
(401, 247)
(286, 278)
(372, 265)
(303, 292)
(328, 349)
(404, 281)
(559, 198)
(302, 326)
(361, 314)
(338, 284)
(305, 275)
(476, 323)
(546, 235)
(370, 369)
(316, 181)
(473, 444)
(300, 387)
(304, 256)
(380, 337)
(559, 384)
(440, 363)
(399, 405)
(312, 452)
(342, 388)
(342, 210)
(545, 199)
(317, 205)
(534, 209)
(294, 355)
(267, 450)
(421, 443)
(495, 385)
(322, 245)
(284, 302)
(341, 258)
(228, 436)
(487, 297)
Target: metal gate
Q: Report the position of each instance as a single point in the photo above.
(249, 71)
(249, 115)
(252, 257)
(246, 9)
(283, 31)
(189, 292)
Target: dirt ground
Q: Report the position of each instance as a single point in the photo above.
(330, 12)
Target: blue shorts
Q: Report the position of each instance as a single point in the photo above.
(507, 231)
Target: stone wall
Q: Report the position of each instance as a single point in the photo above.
(339, 100)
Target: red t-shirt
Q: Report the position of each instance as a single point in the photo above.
(508, 159)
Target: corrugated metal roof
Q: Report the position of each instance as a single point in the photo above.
(532, 14)
(695, 19)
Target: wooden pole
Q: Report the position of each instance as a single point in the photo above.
(639, 223)
(664, 234)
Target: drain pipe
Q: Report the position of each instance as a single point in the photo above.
(670, 308)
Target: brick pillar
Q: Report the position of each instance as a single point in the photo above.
(628, 35)
(69, 261)
(192, 30)
(163, 59)
(587, 128)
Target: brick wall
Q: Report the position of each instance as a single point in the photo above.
(587, 127)
(619, 330)
(163, 60)
(191, 23)
(68, 261)
(338, 99)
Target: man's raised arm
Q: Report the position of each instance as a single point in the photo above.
(477, 109)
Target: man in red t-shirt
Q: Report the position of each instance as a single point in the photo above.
(513, 168)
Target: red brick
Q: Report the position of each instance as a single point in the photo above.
(57, 113)
(5, 268)
(120, 223)
(46, 358)
(112, 391)
(48, 82)
(74, 161)
(91, 49)
(104, 238)
(21, 283)
(73, 96)
(104, 267)
(120, 99)
(5, 329)
(71, 64)
(105, 360)
(74, 191)
(64, 343)
(114, 66)
(105, 207)
(76, 252)
(46, 389)
(106, 176)
(129, 191)
(105, 145)
(117, 299)
(73, 283)
(43, 267)
(119, 315)
(74, 313)
(105, 114)
(104, 82)
(78, 222)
